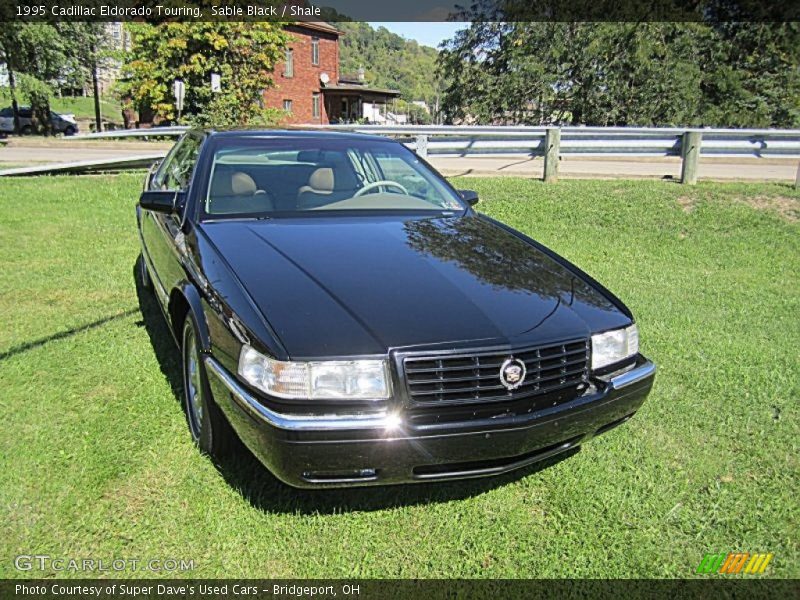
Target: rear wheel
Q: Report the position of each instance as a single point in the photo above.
(208, 426)
(70, 130)
(26, 130)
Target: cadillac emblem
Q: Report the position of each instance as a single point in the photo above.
(512, 373)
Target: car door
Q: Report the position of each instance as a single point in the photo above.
(161, 233)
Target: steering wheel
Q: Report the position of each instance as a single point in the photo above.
(380, 183)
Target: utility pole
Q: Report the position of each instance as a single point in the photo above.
(14, 103)
(98, 117)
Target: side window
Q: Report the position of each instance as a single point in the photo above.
(315, 105)
(315, 51)
(176, 173)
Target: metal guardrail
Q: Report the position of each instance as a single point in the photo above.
(592, 141)
(140, 161)
(132, 133)
(552, 143)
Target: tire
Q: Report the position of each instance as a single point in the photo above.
(26, 130)
(69, 131)
(144, 274)
(208, 427)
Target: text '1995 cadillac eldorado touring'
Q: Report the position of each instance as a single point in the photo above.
(343, 309)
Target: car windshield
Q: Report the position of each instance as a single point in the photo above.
(292, 174)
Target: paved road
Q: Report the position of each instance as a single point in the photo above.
(68, 152)
(37, 151)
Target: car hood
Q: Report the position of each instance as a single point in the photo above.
(349, 286)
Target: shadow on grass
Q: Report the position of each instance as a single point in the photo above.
(158, 331)
(13, 351)
(242, 471)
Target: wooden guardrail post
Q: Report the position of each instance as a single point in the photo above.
(797, 178)
(552, 145)
(422, 146)
(690, 154)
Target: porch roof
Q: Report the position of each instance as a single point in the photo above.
(354, 90)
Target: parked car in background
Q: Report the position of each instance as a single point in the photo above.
(61, 123)
(6, 120)
(345, 311)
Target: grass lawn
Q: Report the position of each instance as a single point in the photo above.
(96, 460)
(80, 106)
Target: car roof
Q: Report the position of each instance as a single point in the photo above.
(294, 133)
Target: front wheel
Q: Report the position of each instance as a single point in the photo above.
(208, 426)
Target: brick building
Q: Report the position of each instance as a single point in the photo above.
(308, 84)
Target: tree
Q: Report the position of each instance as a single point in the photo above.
(8, 43)
(751, 75)
(389, 61)
(243, 54)
(641, 73)
(35, 57)
(88, 48)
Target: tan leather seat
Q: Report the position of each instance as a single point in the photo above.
(320, 187)
(324, 188)
(237, 192)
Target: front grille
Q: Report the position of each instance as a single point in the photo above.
(475, 377)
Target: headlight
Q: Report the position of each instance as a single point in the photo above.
(613, 346)
(335, 379)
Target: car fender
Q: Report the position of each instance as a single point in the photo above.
(194, 306)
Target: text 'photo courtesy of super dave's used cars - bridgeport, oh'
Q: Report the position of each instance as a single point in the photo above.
(342, 308)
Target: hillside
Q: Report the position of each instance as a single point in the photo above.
(389, 60)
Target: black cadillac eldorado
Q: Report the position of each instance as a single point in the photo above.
(347, 313)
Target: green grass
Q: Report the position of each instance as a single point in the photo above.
(96, 461)
(80, 106)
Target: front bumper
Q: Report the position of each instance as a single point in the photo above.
(338, 451)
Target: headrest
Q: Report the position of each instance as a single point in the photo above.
(322, 179)
(234, 183)
(242, 184)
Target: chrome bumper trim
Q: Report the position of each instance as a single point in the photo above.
(243, 398)
(636, 375)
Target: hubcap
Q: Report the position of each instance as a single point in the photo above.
(194, 404)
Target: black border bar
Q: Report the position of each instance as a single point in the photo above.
(717, 586)
(283, 11)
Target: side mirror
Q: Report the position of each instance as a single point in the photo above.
(162, 201)
(469, 196)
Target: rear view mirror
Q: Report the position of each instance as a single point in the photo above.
(162, 201)
(469, 196)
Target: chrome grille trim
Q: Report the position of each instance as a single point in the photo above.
(474, 377)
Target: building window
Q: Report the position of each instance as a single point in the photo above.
(287, 105)
(288, 69)
(315, 105)
(314, 50)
